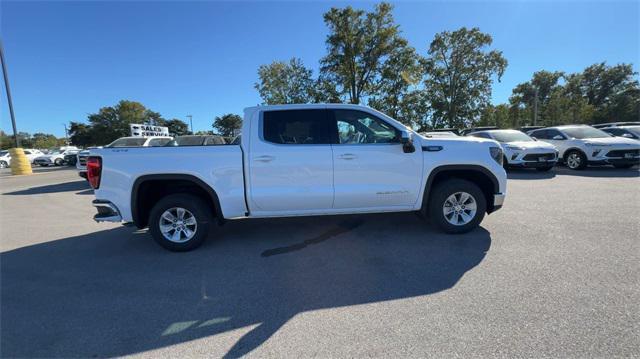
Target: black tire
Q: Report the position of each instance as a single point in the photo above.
(544, 169)
(623, 166)
(4, 164)
(582, 160)
(58, 162)
(442, 191)
(199, 210)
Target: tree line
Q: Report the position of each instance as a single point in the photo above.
(37, 140)
(369, 62)
(112, 122)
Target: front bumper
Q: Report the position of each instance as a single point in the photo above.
(498, 201)
(531, 159)
(107, 211)
(613, 156)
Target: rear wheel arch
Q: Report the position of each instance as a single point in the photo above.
(479, 175)
(147, 190)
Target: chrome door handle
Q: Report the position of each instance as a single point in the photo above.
(347, 156)
(264, 158)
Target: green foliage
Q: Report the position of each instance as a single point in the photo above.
(358, 45)
(112, 122)
(226, 124)
(600, 93)
(285, 83)
(39, 140)
(459, 73)
(176, 127)
(498, 116)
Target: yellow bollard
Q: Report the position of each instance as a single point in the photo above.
(20, 164)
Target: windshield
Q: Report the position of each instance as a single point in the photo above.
(510, 136)
(3, 153)
(634, 129)
(583, 132)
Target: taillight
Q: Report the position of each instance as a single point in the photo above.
(94, 170)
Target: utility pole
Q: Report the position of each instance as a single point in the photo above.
(535, 109)
(6, 84)
(191, 122)
(66, 134)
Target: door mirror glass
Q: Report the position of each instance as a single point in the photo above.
(558, 137)
(627, 135)
(407, 142)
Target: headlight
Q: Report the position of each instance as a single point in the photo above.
(595, 144)
(496, 154)
(515, 148)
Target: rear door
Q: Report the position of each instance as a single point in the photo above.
(291, 164)
(371, 170)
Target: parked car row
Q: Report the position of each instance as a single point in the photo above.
(577, 146)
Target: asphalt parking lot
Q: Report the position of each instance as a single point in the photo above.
(555, 273)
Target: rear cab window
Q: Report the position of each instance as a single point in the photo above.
(296, 127)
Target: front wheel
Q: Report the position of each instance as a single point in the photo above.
(575, 160)
(457, 206)
(3, 164)
(58, 162)
(180, 222)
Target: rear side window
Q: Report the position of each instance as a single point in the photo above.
(159, 142)
(541, 134)
(296, 127)
(128, 142)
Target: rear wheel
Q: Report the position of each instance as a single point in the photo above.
(180, 222)
(457, 206)
(575, 160)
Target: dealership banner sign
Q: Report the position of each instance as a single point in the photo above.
(148, 131)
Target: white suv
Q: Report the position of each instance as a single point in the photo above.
(520, 150)
(582, 145)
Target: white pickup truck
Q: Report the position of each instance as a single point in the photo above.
(299, 160)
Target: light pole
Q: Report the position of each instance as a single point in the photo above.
(6, 85)
(191, 122)
(66, 134)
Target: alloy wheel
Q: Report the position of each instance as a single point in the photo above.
(574, 160)
(178, 224)
(459, 208)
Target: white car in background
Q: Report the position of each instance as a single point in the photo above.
(632, 132)
(582, 145)
(5, 156)
(439, 134)
(520, 150)
(56, 157)
(140, 142)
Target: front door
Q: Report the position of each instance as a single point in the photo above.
(291, 164)
(371, 171)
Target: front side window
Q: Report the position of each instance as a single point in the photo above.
(296, 127)
(128, 142)
(158, 142)
(361, 127)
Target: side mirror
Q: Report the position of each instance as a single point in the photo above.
(627, 135)
(535, 139)
(407, 142)
(558, 137)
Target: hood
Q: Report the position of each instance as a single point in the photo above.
(530, 145)
(611, 141)
(50, 157)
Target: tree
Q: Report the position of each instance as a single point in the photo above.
(225, 125)
(358, 45)
(612, 91)
(285, 83)
(81, 134)
(496, 116)
(524, 95)
(395, 96)
(176, 127)
(459, 75)
(45, 140)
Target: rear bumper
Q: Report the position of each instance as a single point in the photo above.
(107, 211)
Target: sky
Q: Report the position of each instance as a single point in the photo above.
(69, 59)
